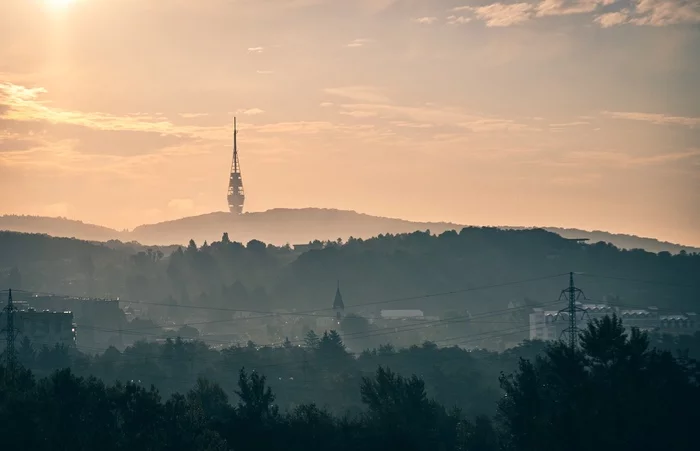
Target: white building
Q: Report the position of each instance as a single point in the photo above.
(550, 324)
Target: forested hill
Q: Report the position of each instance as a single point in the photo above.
(255, 276)
(280, 226)
(58, 227)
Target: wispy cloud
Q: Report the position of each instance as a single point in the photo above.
(627, 159)
(428, 20)
(24, 104)
(655, 118)
(654, 13)
(458, 20)
(256, 49)
(360, 42)
(502, 14)
(360, 93)
(494, 125)
(639, 12)
(307, 127)
(193, 115)
(569, 124)
(567, 7)
(359, 114)
(432, 115)
(264, 72)
(250, 111)
(659, 13)
(405, 124)
(608, 20)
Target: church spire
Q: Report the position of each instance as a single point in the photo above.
(338, 304)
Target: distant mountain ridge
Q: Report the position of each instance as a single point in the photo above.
(284, 225)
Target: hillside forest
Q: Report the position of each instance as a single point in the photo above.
(260, 276)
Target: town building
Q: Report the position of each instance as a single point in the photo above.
(42, 328)
(99, 321)
(550, 324)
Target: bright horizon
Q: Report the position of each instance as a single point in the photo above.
(577, 114)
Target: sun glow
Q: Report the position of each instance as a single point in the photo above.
(59, 3)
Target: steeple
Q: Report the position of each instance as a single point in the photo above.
(338, 305)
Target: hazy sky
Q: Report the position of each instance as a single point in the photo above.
(558, 113)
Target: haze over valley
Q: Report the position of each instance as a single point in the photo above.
(285, 226)
(349, 225)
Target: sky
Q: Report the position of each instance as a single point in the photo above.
(580, 114)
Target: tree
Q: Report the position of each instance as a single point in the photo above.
(402, 416)
(311, 340)
(256, 399)
(211, 399)
(479, 435)
(613, 385)
(331, 347)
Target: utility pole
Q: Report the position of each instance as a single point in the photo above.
(10, 335)
(572, 294)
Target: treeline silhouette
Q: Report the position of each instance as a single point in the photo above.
(259, 276)
(614, 393)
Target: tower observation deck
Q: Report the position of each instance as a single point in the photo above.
(236, 196)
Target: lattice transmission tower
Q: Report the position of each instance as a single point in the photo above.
(572, 295)
(10, 336)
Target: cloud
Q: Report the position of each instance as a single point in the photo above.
(655, 13)
(432, 115)
(361, 42)
(625, 160)
(22, 104)
(566, 7)
(425, 20)
(250, 111)
(256, 49)
(569, 124)
(658, 13)
(359, 93)
(326, 104)
(359, 114)
(264, 72)
(458, 20)
(608, 20)
(493, 125)
(192, 115)
(503, 15)
(405, 124)
(655, 118)
(308, 127)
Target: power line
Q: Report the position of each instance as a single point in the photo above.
(642, 281)
(388, 330)
(312, 312)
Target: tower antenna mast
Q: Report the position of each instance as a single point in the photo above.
(236, 195)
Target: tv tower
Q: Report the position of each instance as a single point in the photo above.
(236, 196)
